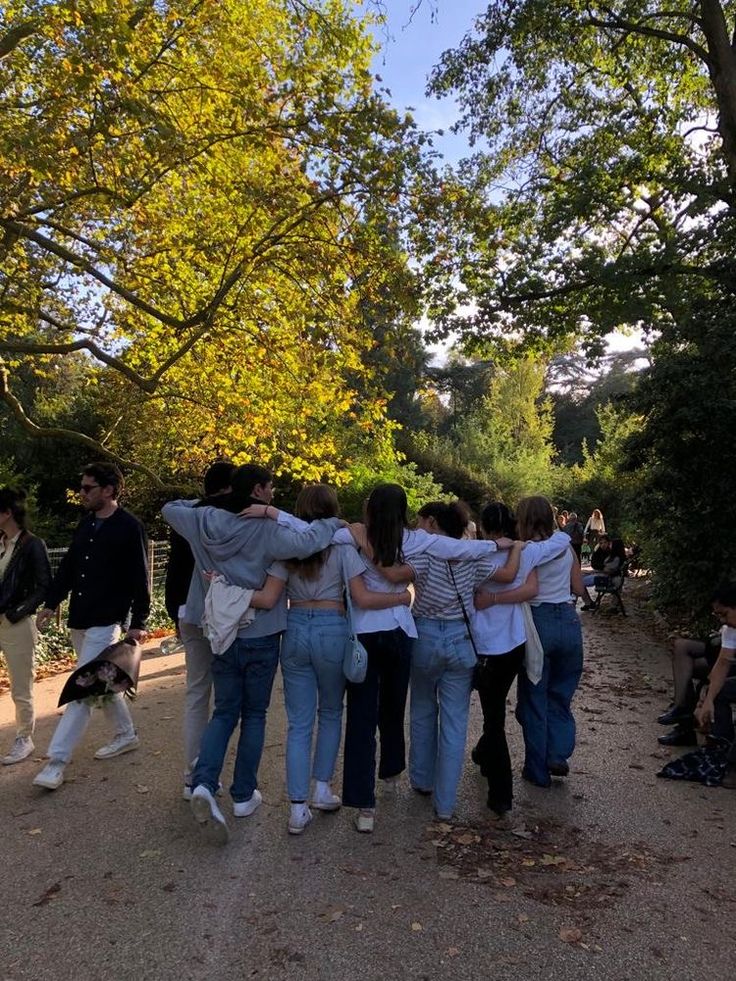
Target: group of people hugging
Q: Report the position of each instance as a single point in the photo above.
(438, 614)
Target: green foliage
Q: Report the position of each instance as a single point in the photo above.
(54, 645)
(684, 460)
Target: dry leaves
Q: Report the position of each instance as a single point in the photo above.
(417, 927)
(571, 935)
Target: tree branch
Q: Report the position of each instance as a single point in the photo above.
(10, 41)
(621, 24)
(41, 432)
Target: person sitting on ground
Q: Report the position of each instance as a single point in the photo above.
(692, 661)
(715, 711)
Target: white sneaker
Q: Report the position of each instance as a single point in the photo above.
(22, 748)
(244, 808)
(208, 814)
(323, 799)
(364, 821)
(52, 775)
(120, 744)
(299, 818)
(187, 791)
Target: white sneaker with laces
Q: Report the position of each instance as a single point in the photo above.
(323, 799)
(244, 808)
(52, 775)
(187, 791)
(364, 821)
(208, 814)
(299, 818)
(21, 749)
(120, 744)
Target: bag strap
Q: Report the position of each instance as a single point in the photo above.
(348, 599)
(466, 618)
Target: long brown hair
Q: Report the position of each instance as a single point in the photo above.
(535, 518)
(315, 501)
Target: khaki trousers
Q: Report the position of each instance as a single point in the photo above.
(17, 643)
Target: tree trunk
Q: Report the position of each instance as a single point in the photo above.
(723, 75)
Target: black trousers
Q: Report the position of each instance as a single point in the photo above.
(379, 703)
(494, 676)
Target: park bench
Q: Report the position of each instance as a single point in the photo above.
(614, 587)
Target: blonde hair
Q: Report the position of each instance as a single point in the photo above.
(535, 518)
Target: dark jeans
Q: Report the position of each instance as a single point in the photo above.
(493, 678)
(723, 715)
(243, 679)
(377, 703)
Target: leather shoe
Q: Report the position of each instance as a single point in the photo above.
(674, 715)
(679, 737)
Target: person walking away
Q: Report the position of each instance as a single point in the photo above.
(105, 574)
(197, 650)
(543, 710)
(444, 657)
(574, 528)
(25, 575)
(241, 551)
(500, 631)
(312, 652)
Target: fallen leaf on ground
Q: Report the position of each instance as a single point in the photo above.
(359, 928)
(50, 894)
(444, 827)
(417, 927)
(522, 918)
(507, 881)
(453, 951)
(552, 859)
(332, 915)
(449, 874)
(571, 935)
(142, 788)
(35, 831)
(150, 853)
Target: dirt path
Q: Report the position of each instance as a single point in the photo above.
(612, 874)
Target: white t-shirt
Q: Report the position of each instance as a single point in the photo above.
(499, 629)
(728, 637)
(554, 580)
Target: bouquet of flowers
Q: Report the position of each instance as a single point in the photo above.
(114, 671)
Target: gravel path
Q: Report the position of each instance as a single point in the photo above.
(611, 874)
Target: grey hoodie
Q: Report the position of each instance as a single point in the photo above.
(242, 549)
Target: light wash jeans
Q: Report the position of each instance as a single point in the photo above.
(243, 679)
(312, 653)
(198, 659)
(442, 667)
(544, 709)
(17, 644)
(73, 723)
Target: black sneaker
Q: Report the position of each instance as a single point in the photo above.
(558, 769)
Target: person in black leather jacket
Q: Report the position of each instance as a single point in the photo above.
(25, 575)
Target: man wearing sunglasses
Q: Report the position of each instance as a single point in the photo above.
(105, 575)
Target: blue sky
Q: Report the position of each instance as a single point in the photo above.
(410, 46)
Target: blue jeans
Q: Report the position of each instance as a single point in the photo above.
(243, 679)
(543, 710)
(442, 667)
(378, 702)
(311, 664)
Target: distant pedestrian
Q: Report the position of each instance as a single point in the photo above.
(595, 527)
(105, 574)
(25, 575)
(576, 533)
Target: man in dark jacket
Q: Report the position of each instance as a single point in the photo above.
(106, 572)
(25, 575)
(197, 651)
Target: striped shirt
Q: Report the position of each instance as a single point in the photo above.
(437, 594)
